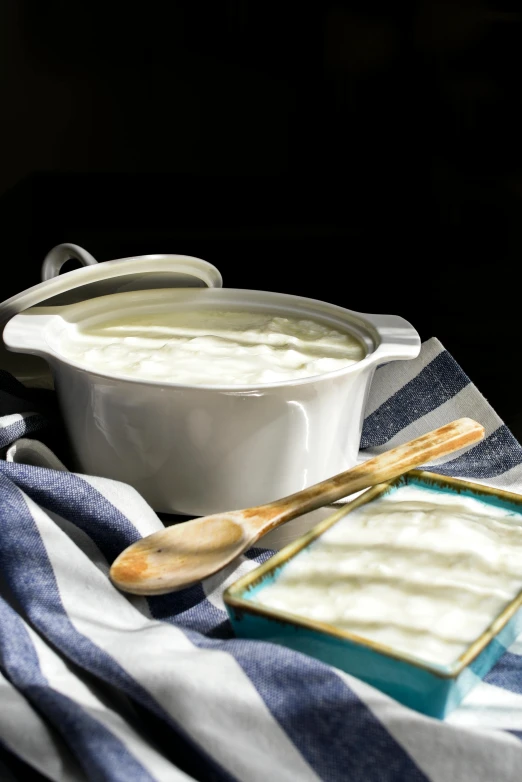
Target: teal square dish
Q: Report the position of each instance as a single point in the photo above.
(426, 686)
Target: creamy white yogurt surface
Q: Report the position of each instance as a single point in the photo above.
(211, 347)
(419, 570)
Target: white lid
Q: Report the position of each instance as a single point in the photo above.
(99, 279)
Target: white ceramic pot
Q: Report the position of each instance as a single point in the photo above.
(198, 450)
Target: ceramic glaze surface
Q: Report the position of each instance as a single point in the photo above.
(418, 570)
(211, 347)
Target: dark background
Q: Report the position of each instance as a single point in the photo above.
(369, 154)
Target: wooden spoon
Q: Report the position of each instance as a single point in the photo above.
(186, 553)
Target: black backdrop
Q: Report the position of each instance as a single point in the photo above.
(368, 154)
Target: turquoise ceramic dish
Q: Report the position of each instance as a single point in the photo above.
(427, 687)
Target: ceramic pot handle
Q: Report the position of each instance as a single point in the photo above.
(60, 254)
(398, 338)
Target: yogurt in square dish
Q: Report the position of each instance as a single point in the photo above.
(419, 570)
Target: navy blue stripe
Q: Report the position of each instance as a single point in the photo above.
(331, 727)
(70, 496)
(491, 457)
(438, 382)
(29, 425)
(507, 673)
(189, 609)
(99, 752)
(28, 572)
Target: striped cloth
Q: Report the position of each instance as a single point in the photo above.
(99, 685)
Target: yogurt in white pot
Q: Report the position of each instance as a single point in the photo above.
(211, 347)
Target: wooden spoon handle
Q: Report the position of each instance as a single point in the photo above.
(439, 442)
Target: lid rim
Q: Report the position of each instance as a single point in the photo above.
(138, 264)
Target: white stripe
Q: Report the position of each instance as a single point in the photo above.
(27, 451)
(92, 700)
(511, 480)
(206, 691)
(444, 752)
(516, 647)
(392, 377)
(128, 501)
(24, 732)
(487, 706)
(9, 420)
(95, 556)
